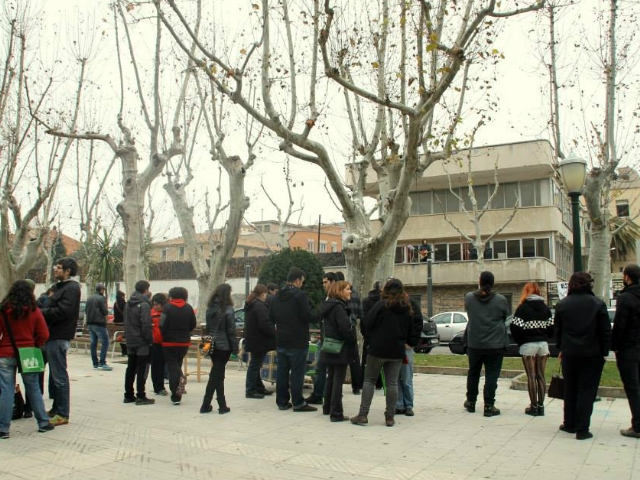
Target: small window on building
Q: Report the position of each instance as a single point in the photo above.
(528, 193)
(441, 252)
(323, 247)
(513, 248)
(622, 208)
(542, 248)
(334, 247)
(499, 249)
(311, 246)
(498, 199)
(455, 252)
(528, 247)
(181, 253)
(267, 228)
(163, 255)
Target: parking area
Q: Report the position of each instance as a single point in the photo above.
(108, 439)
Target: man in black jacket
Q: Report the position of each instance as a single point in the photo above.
(291, 313)
(138, 336)
(96, 313)
(61, 316)
(625, 341)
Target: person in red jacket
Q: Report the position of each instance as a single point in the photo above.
(27, 325)
(158, 301)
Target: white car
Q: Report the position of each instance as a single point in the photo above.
(449, 324)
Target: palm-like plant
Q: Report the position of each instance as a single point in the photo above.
(624, 233)
(104, 259)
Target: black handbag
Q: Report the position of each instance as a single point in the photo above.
(556, 387)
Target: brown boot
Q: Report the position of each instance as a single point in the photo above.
(360, 420)
(389, 421)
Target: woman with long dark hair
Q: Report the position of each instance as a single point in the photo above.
(336, 325)
(259, 338)
(221, 325)
(18, 312)
(583, 335)
(387, 328)
(532, 328)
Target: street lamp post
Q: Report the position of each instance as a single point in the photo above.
(573, 171)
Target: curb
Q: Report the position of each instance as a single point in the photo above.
(520, 383)
(458, 371)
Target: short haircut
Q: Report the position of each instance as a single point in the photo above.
(340, 276)
(294, 274)
(68, 263)
(272, 286)
(633, 272)
(331, 276)
(179, 293)
(142, 286)
(160, 298)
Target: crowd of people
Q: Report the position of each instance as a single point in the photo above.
(373, 338)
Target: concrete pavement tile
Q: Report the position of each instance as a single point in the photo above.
(43, 471)
(329, 464)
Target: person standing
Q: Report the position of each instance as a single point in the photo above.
(337, 326)
(356, 315)
(21, 325)
(158, 301)
(387, 329)
(176, 324)
(583, 336)
(290, 311)
(259, 338)
(404, 405)
(61, 316)
(96, 313)
(221, 325)
(118, 307)
(532, 328)
(486, 338)
(625, 341)
(138, 337)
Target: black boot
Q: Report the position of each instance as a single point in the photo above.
(222, 406)
(490, 410)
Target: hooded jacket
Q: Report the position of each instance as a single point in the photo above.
(137, 321)
(221, 325)
(259, 332)
(582, 324)
(626, 324)
(291, 313)
(486, 329)
(63, 310)
(532, 321)
(387, 330)
(336, 323)
(177, 321)
(96, 310)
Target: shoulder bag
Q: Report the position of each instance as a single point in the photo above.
(556, 387)
(30, 359)
(331, 345)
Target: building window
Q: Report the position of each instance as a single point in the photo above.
(163, 255)
(323, 247)
(334, 247)
(622, 208)
(181, 253)
(267, 228)
(311, 246)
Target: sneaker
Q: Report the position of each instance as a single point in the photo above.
(59, 420)
(254, 395)
(630, 432)
(176, 399)
(584, 435)
(51, 413)
(129, 400)
(27, 414)
(164, 393)
(491, 411)
(285, 407)
(361, 420)
(46, 428)
(4, 435)
(95, 367)
(306, 408)
(409, 412)
(105, 367)
(181, 390)
(400, 411)
(145, 401)
(470, 406)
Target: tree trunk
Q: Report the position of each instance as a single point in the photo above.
(600, 262)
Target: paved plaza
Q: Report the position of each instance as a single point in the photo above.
(107, 439)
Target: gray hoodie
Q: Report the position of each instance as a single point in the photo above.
(487, 314)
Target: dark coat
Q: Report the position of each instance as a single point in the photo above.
(626, 324)
(290, 312)
(259, 332)
(221, 325)
(118, 310)
(177, 321)
(532, 321)
(63, 311)
(336, 324)
(96, 310)
(582, 324)
(487, 328)
(387, 330)
(137, 321)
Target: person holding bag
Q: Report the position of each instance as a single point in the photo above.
(21, 326)
(338, 337)
(221, 325)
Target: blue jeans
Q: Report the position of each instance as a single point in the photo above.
(292, 363)
(57, 357)
(253, 383)
(7, 389)
(99, 333)
(405, 382)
